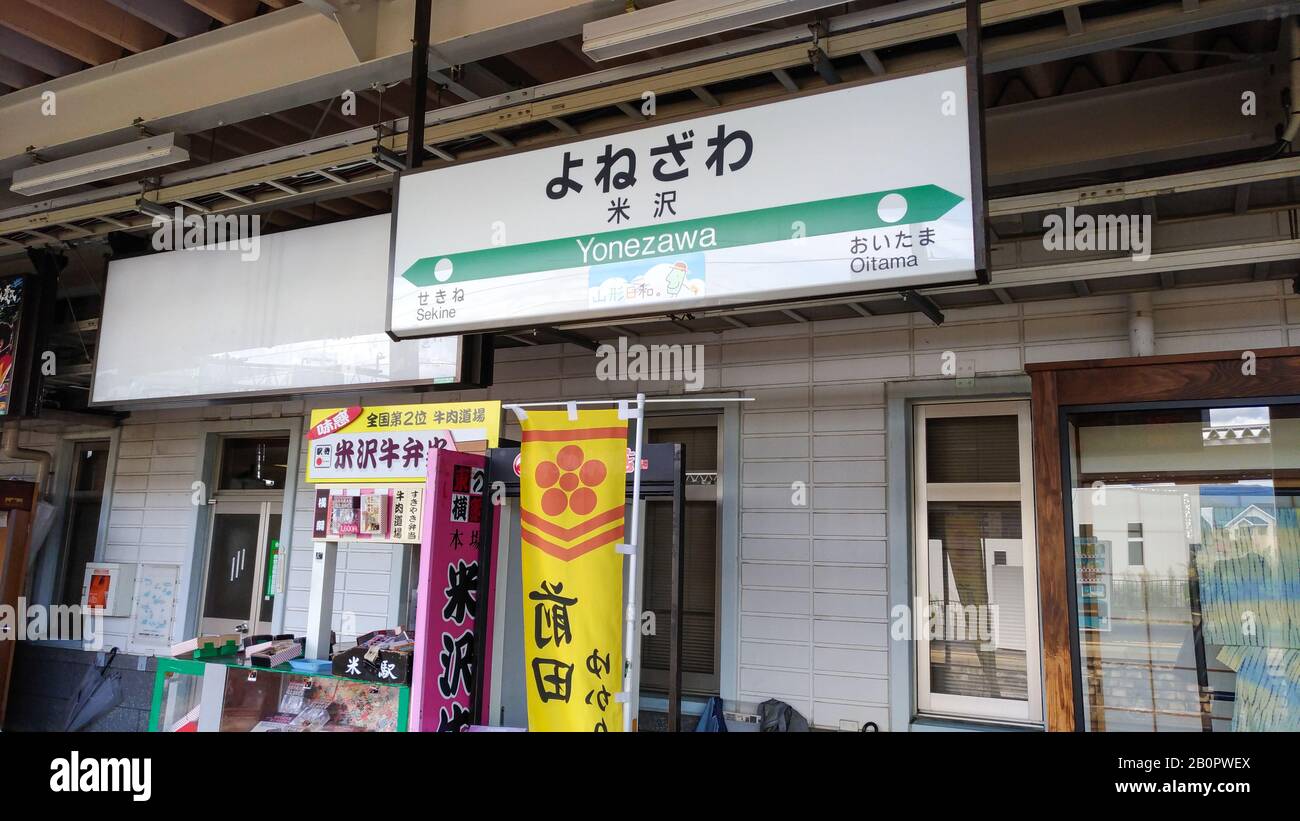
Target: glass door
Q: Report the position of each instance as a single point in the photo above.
(243, 551)
(1186, 549)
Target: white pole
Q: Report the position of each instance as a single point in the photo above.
(320, 601)
(629, 643)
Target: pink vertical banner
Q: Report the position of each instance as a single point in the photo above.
(447, 603)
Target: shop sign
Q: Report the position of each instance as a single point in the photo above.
(383, 514)
(11, 314)
(849, 190)
(572, 493)
(390, 443)
(449, 584)
(24, 303)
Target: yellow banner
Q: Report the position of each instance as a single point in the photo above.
(573, 478)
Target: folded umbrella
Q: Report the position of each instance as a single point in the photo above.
(100, 691)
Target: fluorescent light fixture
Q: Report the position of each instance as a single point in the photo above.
(152, 209)
(141, 155)
(683, 20)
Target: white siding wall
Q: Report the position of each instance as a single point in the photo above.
(813, 620)
(361, 591)
(152, 516)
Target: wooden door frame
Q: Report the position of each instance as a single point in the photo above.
(1060, 386)
(18, 498)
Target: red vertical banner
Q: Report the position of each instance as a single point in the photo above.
(448, 607)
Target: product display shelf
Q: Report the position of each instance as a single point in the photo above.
(227, 695)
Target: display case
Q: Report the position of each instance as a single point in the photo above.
(226, 695)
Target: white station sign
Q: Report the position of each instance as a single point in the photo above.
(844, 191)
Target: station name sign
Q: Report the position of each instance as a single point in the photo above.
(850, 190)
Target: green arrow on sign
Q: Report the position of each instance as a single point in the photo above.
(922, 203)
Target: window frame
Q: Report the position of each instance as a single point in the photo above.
(695, 684)
(68, 496)
(1064, 414)
(970, 707)
(49, 561)
(224, 441)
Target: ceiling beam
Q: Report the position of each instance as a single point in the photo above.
(444, 79)
(339, 207)
(483, 81)
(1227, 176)
(1119, 30)
(288, 118)
(177, 19)
(705, 96)
(1241, 199)
(548, 63)
(227, 11)
(272, 62)
(43, 27)
(107, 21)
(460, 124)
(873, 61)
(376, 200)
(787, 82)
(271, 129)
(18, 75)
(37, 55)
(1003, 150)
(1073, 20)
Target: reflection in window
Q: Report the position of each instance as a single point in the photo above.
(254, 463)
(1203, 633)
(976, 563)
(85, 500)
(977, 600)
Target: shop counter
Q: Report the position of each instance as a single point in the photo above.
(229, 696)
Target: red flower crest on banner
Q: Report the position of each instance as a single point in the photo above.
(569, 480)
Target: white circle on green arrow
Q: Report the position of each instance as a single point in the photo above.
(891, 208)
(442, 270)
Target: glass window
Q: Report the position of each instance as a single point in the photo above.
(85, 499)
(700, 592)
(1197, 626)
(976, 563)
(972, 449)
(254, 464)
(1136, 552)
